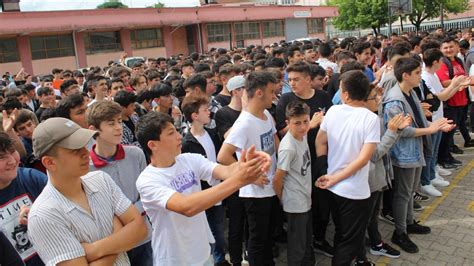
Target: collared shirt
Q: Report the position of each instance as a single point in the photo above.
(57, 226)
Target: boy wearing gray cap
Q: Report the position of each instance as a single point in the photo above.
(80, 218)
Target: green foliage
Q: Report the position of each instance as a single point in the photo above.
(157, 5)
(112, 4)
(430, 9)
(361, 14)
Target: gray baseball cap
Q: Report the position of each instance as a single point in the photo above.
(235, 82)
(61, 132)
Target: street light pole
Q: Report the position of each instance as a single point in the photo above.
(389, 20)
(442, 15)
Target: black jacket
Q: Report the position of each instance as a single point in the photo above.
(192, 145)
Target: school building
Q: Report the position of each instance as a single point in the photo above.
(40, 41)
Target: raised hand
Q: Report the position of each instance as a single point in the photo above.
(9, 120)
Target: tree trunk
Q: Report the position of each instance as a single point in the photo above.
(401, 24)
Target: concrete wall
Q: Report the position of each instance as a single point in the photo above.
(268, 41)
(102, 59)
(44, 66)
(320, 36)
(12, 67)
(150, 52)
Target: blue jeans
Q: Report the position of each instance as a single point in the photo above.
(428, 172)
(141, 255)
(215, 218)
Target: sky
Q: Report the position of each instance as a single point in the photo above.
(48, 5)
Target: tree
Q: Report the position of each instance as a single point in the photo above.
(361, 14)
(157, 5)
(112, 4)
(430, 9)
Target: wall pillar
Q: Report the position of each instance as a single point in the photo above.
(168, 40)
(25, 53)
(81, 57)
(126, 41)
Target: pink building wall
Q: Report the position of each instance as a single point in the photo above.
(150, 52)
(12, 67)
(44, 66)
(102, 59)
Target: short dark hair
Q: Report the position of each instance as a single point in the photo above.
(258, 80)
(202, 67)
(78, 74)
(10, 104)
(464, 44)
(6, 143)
(187, 63)
(400, 48)
(56, 70)
(136, 79)
(296, 108)
(125, 98)
(344, 55)
(352, 65)
(405, 65)
(414, 41)
(324, 50)
(356, 84)
(429, 43)
(449, 39)
(275, 62)
(161, 89)
(23, 117)
(316, 70)
(360, 46)
(117, 72)
(93, 81)
(66, 84)
(150, 126)
(65, 105)
(292, 50)
(152, 74)
(192, 103)
(431, 55)
(300, 67)
(198, 80)
(144, 95)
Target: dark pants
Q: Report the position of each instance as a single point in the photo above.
(236, 214)
(350, 220)
(321, 213)
(261, 216)
(300, 228)
(452, 113)
(373, 226)
(462, 125)
(141, 255)
(215, 218)
(387, 201)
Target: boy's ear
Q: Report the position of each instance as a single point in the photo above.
(91, 127)
(287, 121)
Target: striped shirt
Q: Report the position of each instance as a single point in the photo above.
(57, 226)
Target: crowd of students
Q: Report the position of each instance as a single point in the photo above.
(145, 165)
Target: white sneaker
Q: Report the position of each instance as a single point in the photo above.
(439, 181)
(440, 170)
(430, 190)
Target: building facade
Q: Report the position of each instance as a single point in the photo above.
(39, 41)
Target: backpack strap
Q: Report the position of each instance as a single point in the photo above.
(448, 63)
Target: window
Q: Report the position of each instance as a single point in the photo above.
(8, 51)
(98, 42)
(247, 30)
(315, 25)
(43, 47)
(146, 38)
(218, 32)
(273, 28)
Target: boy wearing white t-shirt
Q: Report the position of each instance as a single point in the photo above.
(432, 59)
(170, 191)
(255, 126)
(203, 141)
(348, 136)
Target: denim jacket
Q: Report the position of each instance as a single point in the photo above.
(408, 150)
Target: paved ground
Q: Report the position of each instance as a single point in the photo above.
(451, 218)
